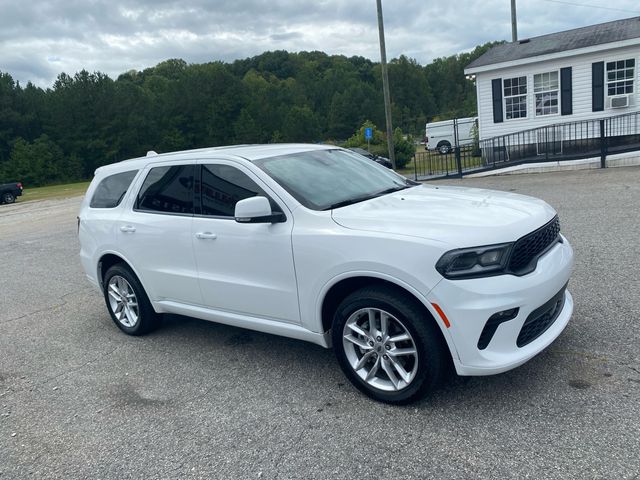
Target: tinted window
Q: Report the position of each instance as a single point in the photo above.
(168, 189)
(223, 186)
(111, 190)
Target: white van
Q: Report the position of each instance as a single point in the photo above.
(441, 137)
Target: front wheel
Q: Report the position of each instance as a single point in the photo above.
(8, 198)
(127, 302)
(387, 345)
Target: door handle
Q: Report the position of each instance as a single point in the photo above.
(127, 229)
(206, 236)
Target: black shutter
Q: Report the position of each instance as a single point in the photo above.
(597, 86)
(496, 90)
(566, 91)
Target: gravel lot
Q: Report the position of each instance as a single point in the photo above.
(79, 399)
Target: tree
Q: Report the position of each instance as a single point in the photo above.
(38, 163)
(300, 125)
(403, 148)
(456, 95)
(359, 138)
(246, 129)
(412, 95)
(87, 119)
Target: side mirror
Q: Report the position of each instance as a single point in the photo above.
(256, 210)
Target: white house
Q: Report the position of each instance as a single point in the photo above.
(582, 74)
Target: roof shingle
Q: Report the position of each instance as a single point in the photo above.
(615, 31)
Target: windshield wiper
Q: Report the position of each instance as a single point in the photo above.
(350, 201)
(363, 198)
(392, 189)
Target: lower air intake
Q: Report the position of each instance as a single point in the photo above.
(541, 319)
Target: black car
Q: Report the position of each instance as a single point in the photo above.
(376, 158)
(9, 192)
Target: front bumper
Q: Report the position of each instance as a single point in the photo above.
(468, 304)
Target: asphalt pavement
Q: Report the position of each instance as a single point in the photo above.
(79, 399)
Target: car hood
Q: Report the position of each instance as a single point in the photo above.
(459, 216)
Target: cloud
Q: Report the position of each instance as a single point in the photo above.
(281, 37)
(40, 39)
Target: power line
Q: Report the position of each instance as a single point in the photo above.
(592, 6)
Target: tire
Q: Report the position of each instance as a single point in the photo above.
(444, 148)
(138, 317)
(8, 198)
(424, 368)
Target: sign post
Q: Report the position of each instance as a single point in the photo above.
(368, 135)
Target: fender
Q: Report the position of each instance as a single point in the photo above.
(422, 298)
(129, 264)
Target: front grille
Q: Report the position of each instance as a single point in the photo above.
(528, 249)
(541, 319)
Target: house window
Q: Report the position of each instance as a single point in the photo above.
(620, 77)
(515, 97)
(545, 87)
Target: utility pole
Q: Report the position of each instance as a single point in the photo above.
(385, 85)
(514, 22)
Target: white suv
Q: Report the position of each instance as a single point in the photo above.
(321, 244)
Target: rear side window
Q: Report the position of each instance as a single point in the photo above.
(223, 186)
(111, 190)
(167, 190)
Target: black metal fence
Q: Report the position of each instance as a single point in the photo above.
(460, 155)
(562, 141)
(460, 160)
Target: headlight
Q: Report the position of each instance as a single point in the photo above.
(474, 262)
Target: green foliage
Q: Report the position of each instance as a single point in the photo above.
(38, 163)
(88, 119)
(358, 139)
(403, 148)
(301, 125)
(455, 96)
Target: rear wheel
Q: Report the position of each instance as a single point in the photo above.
(444, 148)
(8, 198)
(387, 345)
(127, 302)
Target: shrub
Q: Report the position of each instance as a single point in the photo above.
(404, 149)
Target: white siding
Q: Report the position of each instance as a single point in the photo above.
(581, 78)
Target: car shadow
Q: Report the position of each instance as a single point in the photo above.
(317, 367)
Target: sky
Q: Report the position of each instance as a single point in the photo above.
(41, 38)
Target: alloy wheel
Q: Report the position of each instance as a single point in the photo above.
(123, 301)
(380, 349)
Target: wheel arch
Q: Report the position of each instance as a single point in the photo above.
(337, 290)
(109, 259)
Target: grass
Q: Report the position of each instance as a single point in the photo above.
(52, 192)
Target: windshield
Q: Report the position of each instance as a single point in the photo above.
(326, 179)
